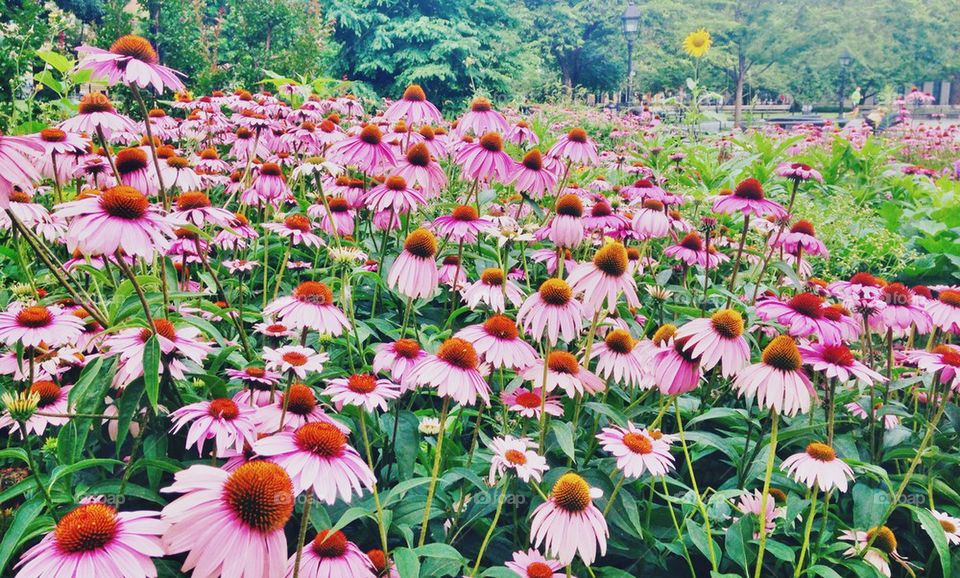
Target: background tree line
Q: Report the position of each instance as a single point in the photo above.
(511, 49)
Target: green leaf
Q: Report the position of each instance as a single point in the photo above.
(151, 370)
(439, 551)
(408, 565)
(823, 571)
(61, 471)
(56, 60)
(737, 538)
(24, 516)
(564, 432)
(127, 406)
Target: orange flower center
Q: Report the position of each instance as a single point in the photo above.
(782, 353)
(271, 169)
(224, 408)
(492, 142)
(260, 493)
(176, 162)
(465, 213)
(749, 189)
(295, 358)
(406, 348)
(611, 259)
(950, 297)
(897, 294)
(414, 93)
(302, 401)
(948, 355)
(563, 362)
(692, 241)
(529, 400)
(480, 104)
(321, 438)
(34, 316)
(135, 47)
(371, 134)
(803, 226)
(638, 443)
(883, 539)
(418, 155)
(364, 384)
(124, 202)
(569, 205)
(577, 135)
(48, 391)
(838, 355)
(94, 102)
(619, 341)
(866, 279)
(192, 200)
(329, 544)
(515, 457)
(533, 160)
(556, 292)
(255, 371)
(86, 528)
(493, 276)
(298, 223)
(821, 452)
(501, 327)
(53, 135)
(459, 353)
(807, 304)
(421, 243)
(727, 323)
(663, 334)
(539, 570)
(571, 493)
(130, 160)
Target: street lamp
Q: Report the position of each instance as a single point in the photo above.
(631, 24)
(844, 60)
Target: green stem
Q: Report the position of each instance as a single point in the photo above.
(302, 535)
(771, 457)
(806, 531)
(613, 494)
(433, 474)
(376, 494)
(493, 526)
(676, 526)
(693, 480)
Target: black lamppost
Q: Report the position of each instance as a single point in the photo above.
(631, 24)
(844, 59)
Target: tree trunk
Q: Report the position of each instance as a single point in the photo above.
(738, 91)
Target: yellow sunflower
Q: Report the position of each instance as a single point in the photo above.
(697, 43)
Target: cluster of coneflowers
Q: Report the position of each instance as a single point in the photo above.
(264, 222)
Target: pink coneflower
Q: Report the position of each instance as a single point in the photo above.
(551, 310)
(413, 108)
(675, 369)
(363, 390)
(398, 358)
(532, 564)
(521, 134)
(884, 547)
(484, 159)
(717, 340)
(534, 175)
(338, 220)
(96, 113)
(331, 555)
(620, 360)
(750, 504)
(463, 224)
(859, 409)
(175, 343)
(516, 455)
(258, 383)
(296, 358)
(564, 371)
(603, 220)
(945, 310)
(177, 174)
(800, 237)
(120, 218)
(604, 279)
(453, 372)
(566, 227)
(394, 195)
(298, 229)
(799, 172)
(901, 312)
(95, 539)
(302, 408)
(414, 273)
(803, 316)
(575, 148)
(837, 361)
(493, 289)
(527, 402)
(943, 359)
(650, 221)
(53, 399)
(420, 170)
(231, 425)
(690, 250)
(481, 119)
(195, 208)
(231, 523)
(274, 329)
(568, 523)
(366, 151)
(131, 60)
(35, 324)
(748, 198)
(382, 567)
(777, 382)
(551, 260)
(317, 456)
(637, 451)
(818, 465)
(310, 305)
(16, 169)
(498, 343)
(452, 273)
(269, 187)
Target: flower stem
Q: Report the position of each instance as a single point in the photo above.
(736, 263)
(676, 526)
(493, 526)
(543, 396)
(302, 536)
(433, 474)
(136, 287)
(33, 467)
(376, 494)
(693, 480)
(806, 531)
(771, 457)
(613, 494)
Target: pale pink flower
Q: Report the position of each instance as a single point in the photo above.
(310, 306)
(568, 523)
(454, 372)
(636, 451)
(516, 455)
(553, 311)
(414, 273)
(363, 390)
(331, 555)
(717, 340)
(818, 466)
(562, 370)
(778, 382)
(31, 325)
(294, 358)
(230, 425)
(498, 343)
